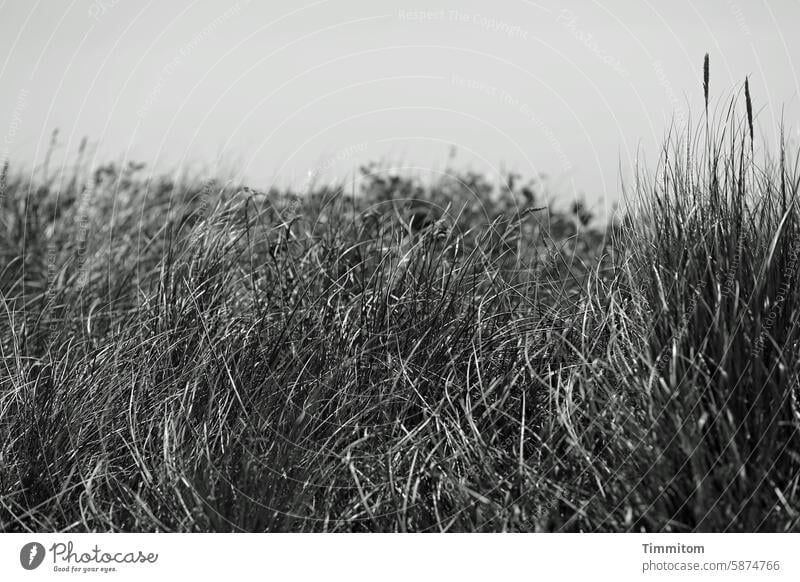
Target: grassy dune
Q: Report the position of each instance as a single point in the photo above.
(198, 356)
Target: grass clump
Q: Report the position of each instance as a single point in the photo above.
(186, 356)
(203, 357)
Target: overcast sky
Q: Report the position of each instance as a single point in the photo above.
(280, 90)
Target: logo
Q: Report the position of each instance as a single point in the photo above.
(31, 555)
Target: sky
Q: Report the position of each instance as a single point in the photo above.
(284, 92)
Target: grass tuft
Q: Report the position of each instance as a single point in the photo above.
(200, 356)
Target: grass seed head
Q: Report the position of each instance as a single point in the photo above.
(705, 80)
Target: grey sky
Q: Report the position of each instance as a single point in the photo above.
(280, 90)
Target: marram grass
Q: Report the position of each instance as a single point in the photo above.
(201, 357)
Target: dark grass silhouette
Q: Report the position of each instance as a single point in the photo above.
(450, 357)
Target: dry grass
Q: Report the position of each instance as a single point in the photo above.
(199, 357)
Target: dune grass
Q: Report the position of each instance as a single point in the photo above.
(198, 356)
